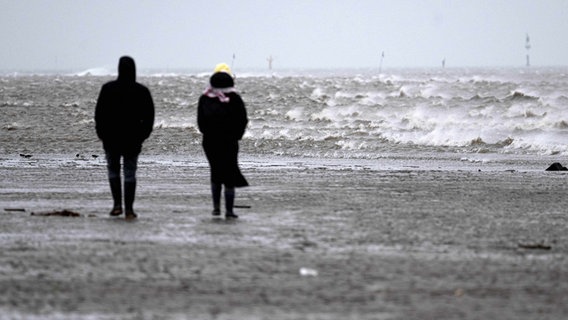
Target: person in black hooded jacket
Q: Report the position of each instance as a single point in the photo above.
(222, 119)
(124, 118)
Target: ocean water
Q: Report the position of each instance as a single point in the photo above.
(329, 114)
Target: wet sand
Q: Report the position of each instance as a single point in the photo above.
(322, 240)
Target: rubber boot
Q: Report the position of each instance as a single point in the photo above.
(116, 191)
(129, 195)
(216, 194)
(229, 203)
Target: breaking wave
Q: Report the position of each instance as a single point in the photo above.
(342, 114)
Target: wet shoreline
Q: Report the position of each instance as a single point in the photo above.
(324, 239)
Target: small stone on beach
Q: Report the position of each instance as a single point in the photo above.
(556, 167)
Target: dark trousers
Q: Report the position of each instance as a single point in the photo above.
(130, 164)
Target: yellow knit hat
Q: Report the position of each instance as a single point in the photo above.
(223, 67)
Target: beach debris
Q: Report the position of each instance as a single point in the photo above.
(459, 292)
(535, 246)
(27, 156)
(15, 209)
(242, 206)
(308, 272)
(304, 244)
(79, 156)
(556, 167)
(56, 213)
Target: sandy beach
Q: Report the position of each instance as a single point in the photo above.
(322, 239)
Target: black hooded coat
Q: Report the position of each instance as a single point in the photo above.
(124, 115)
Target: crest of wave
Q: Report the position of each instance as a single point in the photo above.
(100, 71)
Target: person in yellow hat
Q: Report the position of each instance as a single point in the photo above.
(222, 119)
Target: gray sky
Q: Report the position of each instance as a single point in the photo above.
(78, 35)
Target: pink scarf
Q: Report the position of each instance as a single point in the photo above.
(219, 93)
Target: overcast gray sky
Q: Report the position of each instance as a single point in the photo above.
(77, 35)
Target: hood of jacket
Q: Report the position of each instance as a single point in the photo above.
(126, 69)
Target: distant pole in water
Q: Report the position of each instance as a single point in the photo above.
(444, 63)
(381, 63)
(528, 47)
(233, 61)
(270, 59)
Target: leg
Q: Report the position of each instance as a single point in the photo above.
(113, 166)
(229, 202)
(212, 157)
(216, 193)
(130, 166)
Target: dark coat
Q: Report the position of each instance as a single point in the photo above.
(124, 115)
(223, 125)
